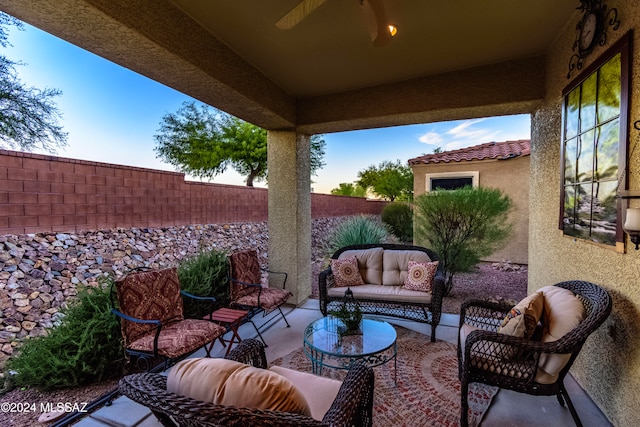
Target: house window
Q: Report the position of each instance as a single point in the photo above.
(594, 141)
(451, 180)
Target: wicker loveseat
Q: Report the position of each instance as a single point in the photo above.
(384, 269)
(351, 406)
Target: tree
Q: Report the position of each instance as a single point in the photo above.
(28, 116)
(388, 180)
(204, 142)
(349, 189)
(462, 226)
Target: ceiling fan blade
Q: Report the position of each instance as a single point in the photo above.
(377, 22)
(298, 13)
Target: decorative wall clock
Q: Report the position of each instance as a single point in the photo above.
(591, 30)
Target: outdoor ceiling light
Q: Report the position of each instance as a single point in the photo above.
(380, 30)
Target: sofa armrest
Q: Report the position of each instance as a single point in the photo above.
(354, 403)
(249, 352)
(324, 280)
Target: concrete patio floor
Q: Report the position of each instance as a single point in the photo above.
(508, 408)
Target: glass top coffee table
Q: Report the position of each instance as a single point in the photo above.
(325, 346)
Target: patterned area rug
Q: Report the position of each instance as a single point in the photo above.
(428, 390)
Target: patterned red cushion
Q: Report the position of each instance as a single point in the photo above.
(179, 338)
(244, 268)
(270, 299)
(148, 295)
(346, 272)
(420, 275)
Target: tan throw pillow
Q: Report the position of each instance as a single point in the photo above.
(522, 319)
(231, 383)
(346, 272)
(420, 275)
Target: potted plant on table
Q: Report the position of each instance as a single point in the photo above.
(349, 314)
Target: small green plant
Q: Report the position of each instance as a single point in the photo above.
(205, 274)
(399, 217)
(355, 231)
(86, 347)
(350, 314)
(462, 226)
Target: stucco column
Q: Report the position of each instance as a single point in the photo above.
(289, 220)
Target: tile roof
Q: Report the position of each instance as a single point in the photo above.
(491, 150)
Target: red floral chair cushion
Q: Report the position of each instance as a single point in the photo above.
(149, 295)
(246, 269)
(155, 295)
(268, 299)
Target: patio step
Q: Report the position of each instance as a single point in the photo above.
(123, 412)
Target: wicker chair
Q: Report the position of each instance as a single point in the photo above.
(513, 363)
(351, 407)
(152, 320)
(247, 292)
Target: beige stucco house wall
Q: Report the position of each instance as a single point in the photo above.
(510, 175)
(609, 364)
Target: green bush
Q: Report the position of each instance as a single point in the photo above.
(86, 347)
(205, 274)
(399, 218)
(462, 226)
(355, 231)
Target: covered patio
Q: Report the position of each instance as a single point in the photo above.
(507, 407)
(449, 60)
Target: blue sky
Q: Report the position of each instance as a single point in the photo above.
(111, 115)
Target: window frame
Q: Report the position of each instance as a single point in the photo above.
(474, 175)
(622, 47)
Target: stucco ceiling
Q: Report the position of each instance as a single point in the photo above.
(450, 59)
(330, 51)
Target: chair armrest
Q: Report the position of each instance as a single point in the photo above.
(156, 322)
(353, 405)
(483, 314)
(134, 319)
(249, 352)
(284, 282)
(197, 297)
(323, 285)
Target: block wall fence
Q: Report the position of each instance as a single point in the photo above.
(40, 193)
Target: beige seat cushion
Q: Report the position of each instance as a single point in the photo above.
(319, 392)
(383, 293)
(231, 383)
(562, 313)
(369, 263)
(395, 265)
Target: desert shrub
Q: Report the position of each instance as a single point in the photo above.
(399, 218)
(355, 231)
(462, 226)
(205, 274)
(84, 348)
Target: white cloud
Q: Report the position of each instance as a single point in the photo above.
(466, 134)
(431, 138)
(463, 131)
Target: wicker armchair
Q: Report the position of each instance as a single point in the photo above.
(351, 407)
(513, 363)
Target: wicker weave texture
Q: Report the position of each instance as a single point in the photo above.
(510, 362)
(352, 407)
(424, 313)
